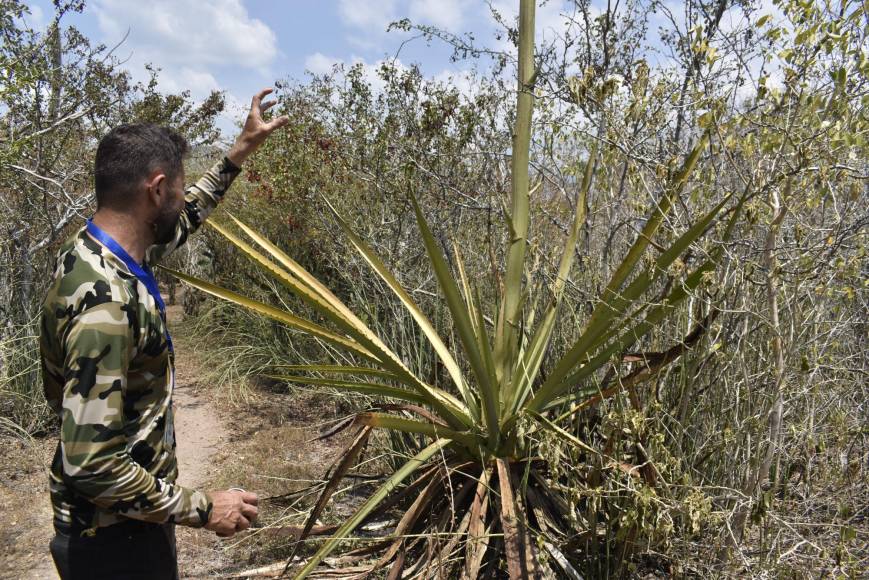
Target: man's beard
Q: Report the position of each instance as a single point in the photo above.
(165, 226)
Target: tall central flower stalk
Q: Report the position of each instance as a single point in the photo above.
(476, 449)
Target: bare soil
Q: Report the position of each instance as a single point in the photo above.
(25, 508)
(264, 446)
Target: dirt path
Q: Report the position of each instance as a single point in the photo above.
(25, 509)
(24, 490)
(266, 448)
(199, 431)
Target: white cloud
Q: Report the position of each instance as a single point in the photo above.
(190, 41)
(463, 80)
(446, 14)
(235, 110)
(185, 78)
(191, 32)
(368, 20)
(371, 15)
(36, 18)
(550, 21)
(187, 39)
(320, 64)
(732, 19)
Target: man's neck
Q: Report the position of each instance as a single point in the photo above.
(134, 235)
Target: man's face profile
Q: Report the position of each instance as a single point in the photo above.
(170, 210)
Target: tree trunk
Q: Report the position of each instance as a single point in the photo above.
(56, 48)
(754, 483)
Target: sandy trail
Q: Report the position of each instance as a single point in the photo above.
(200, 433)
(266, 448)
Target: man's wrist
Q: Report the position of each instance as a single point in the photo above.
(201, 506)
(231, 165)
(205, 517)
(235, 157)
(239, 152)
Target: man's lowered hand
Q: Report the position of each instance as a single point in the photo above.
(231, 511)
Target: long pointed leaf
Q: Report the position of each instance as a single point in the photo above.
(462, 322)
(421, 319)
(392, 422)
(547, 392)
(483, 341)
(282, 316)
(655, 315)
(653, 223)
(646, 279)
(452, 410)
(529, 364)
(375, 389)
(467, 292)
(371, 503)
(604, 312)
(478, 322)
(292, 266)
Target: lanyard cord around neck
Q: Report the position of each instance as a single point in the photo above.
(141, 271)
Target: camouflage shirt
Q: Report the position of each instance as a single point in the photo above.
(108, 375)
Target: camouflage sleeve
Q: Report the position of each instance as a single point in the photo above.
(98, 346)
(200, 199)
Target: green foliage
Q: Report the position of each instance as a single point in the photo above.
(478, 416)
(701, 428)
(59, 93)
(642, 468)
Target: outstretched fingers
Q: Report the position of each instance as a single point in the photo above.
(258, 107)
(258, 98)
(277, 122)
(255, 129)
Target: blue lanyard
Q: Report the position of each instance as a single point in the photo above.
(142, 272)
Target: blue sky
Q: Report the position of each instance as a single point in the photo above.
(240, 46)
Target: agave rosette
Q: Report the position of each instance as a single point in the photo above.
(477, 449)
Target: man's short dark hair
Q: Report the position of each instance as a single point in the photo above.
(128, 154)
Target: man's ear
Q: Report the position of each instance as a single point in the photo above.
(156, 188)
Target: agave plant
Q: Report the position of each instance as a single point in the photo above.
(479, 489)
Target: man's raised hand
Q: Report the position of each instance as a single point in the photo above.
(256, 129)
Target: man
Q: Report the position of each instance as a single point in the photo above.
(108, 361)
